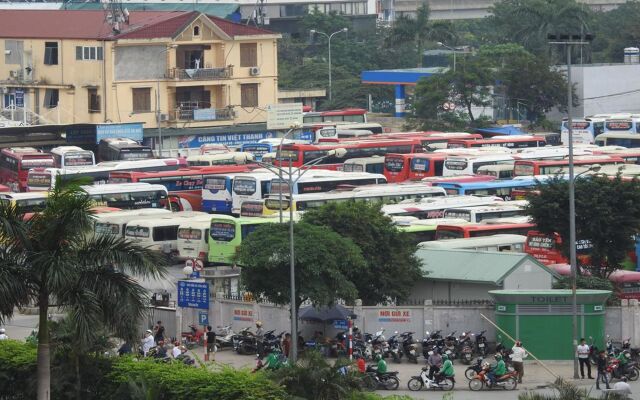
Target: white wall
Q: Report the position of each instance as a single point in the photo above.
(528, 276)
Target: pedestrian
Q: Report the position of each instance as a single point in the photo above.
(125, 348)
(147, 342)
(211, 343)
(175, 352)
(518, 354)
(362, 366)
(3, 335)
(286, 344)
(259, 337)
(158, 332)
(602, 370)
(435, 362)
(161, 351)
(583, 357)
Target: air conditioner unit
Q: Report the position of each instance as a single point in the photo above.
(14, 73)
(164, 117)
(253, 71)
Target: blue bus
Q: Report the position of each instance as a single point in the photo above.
(258, 149)
(500, 188)
(217, 193)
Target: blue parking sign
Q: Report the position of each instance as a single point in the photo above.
(203, 318)
(193, 294)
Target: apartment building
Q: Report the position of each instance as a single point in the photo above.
(184, 69)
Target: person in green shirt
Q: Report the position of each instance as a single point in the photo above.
(447, 368)
(382, 365)
(273, 361)
(496, 372)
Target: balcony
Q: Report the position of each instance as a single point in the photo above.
(201, 111)
(199, 74)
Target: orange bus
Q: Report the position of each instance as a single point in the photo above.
(412, 166)
(15, 163)
(475, 230)
(551, 167)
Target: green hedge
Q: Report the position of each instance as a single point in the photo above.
(17, 369)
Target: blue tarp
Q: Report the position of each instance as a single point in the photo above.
(501, 130)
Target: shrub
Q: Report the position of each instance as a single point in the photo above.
(17, 369)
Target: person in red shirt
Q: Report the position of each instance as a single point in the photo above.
(286, 344)
(362, 367)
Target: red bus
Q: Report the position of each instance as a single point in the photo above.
(412, 166)
(475, 230)
(345, 115)
(512, 142)
(544, 248)
(184, 185)
(430, 140)
(626, 283)
(299, 154)
(551, 167)
(15, 163)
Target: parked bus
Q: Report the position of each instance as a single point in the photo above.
(28, 202)
(552, 167)
(250, 187)
(511, 142)
(458, 179)
(193, 238)
(159, 233)
(430, 141)
(72, 157)
(316, 181)
(412, 166)
(184, 185)
(258, 149)
(373, 164)
(385, 194)
(626, 284)
(346, 115)
(500, 188)
(501, 242)
(114, 149)
(209, 160)
(478, 214)
(114, 223)
(15, 163)
(623, 123)
(214, 148)
(300, 154)
(39, 179)
(468, 165)
(129, 196)
(629, 140)
(498, 171)
(475, 230)
(422, 230)
(544, 248)
(428, 208)
(583, 130)
(226, 234)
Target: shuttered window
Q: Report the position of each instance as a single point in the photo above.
(249, 95)
(141, 99)
(94, 100)
(248, 55)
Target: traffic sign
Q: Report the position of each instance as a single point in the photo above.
(193, 294)
(198, 265)
(203, 317)
(189, 263)
(284, 116)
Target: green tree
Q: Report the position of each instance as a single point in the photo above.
(614, 30)
(323, 260)
(607, 214)
(391, 265)
(50, 259)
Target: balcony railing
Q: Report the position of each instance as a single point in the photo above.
(201, 111)
(200, 74)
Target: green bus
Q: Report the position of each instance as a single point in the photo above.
(226, 234)
(418, 233)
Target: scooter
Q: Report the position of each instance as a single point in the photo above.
(508, 381)
(395, 348)
(225, 337)
(481, 343)
(431, 342)
(409, 347)
(474, 370)
(386, 381)
(464, 346)
(418, 382)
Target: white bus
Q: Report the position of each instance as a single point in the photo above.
(622, 123)
(72, 157)
(322, 180)
(129, 196)
(374, 164)
(28, 202)
(427, 208)
(499, 171)
(584, 130)
(193, 238)
(160, 233)
(253, 186)
(114, 223)
(477, 214)
(231, 158)
(503, 242)
(468, 165)
(628, 140)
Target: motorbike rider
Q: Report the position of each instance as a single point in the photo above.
(381, 367)
(496, 372)
(435, 362)
(447, 369)
(623, 358)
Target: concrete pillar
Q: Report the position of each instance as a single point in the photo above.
(429, 318)
(359, 321)
(400, 105)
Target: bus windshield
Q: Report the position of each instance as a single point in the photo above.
(189, 234)
(39, 180)
(222, 231)
(78, 159)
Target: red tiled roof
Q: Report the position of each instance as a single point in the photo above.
(91, 25)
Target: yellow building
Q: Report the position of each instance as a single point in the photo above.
(186, 69)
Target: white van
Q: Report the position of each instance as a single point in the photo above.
(159, 233)
(114, 223)
(193, 238)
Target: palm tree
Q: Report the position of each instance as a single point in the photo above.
(51, 260)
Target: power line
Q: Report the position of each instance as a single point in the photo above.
(612, 94)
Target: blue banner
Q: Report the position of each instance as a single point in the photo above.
(193, 294)
(230, 139)
(132, 131)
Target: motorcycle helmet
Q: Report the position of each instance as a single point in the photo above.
(445, 357)
(258, 323)
(2, 331)
(626, 354)
(378, 357)
(498, 356)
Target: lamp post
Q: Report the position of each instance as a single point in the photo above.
(568, 41)
(454, 53)
(313, 32)
(340, 152)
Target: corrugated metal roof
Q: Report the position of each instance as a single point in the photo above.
(472, 266)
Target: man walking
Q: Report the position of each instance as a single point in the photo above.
(602, 370)
(211, 344)
(518, 354)
(583, 358)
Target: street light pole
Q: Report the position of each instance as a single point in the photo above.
(313, 31)
(454, 53)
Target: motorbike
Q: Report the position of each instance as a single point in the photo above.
(505, 352)
(225, 337)
(395, 349)
(481, 343)
(418, 382)
(629, 370)
(363, 347)
(272, 342)
(473, 370)
(634, 351)
(431, 342)
(386, 381)
(465, 347)
(193, 338)
(409, 347)
(451, 346)
(248, 344)
(508, 381)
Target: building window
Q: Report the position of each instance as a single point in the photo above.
(51, 98)
(51, 53)
(13, 51)
(94, 100)
(248, 54)
(141, 99)
(249, 95)
(196, 31)
(89, 53)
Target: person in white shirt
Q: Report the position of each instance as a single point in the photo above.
(518, 354)
(583, 356)
(147, 342)
(176, 350)
(3, 335)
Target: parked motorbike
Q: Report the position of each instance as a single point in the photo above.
(409, 347)
(481, 343)
(473, 370)
(395, 348)
(617, 371)
(418, 382)
(272, 342)
(451, 346)
(379, 343)
(634, 351)
(431, 342)
(508, 381)
(248, 343)
(465, 348)
(225, 337)
(386, 381)
(193, 338)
